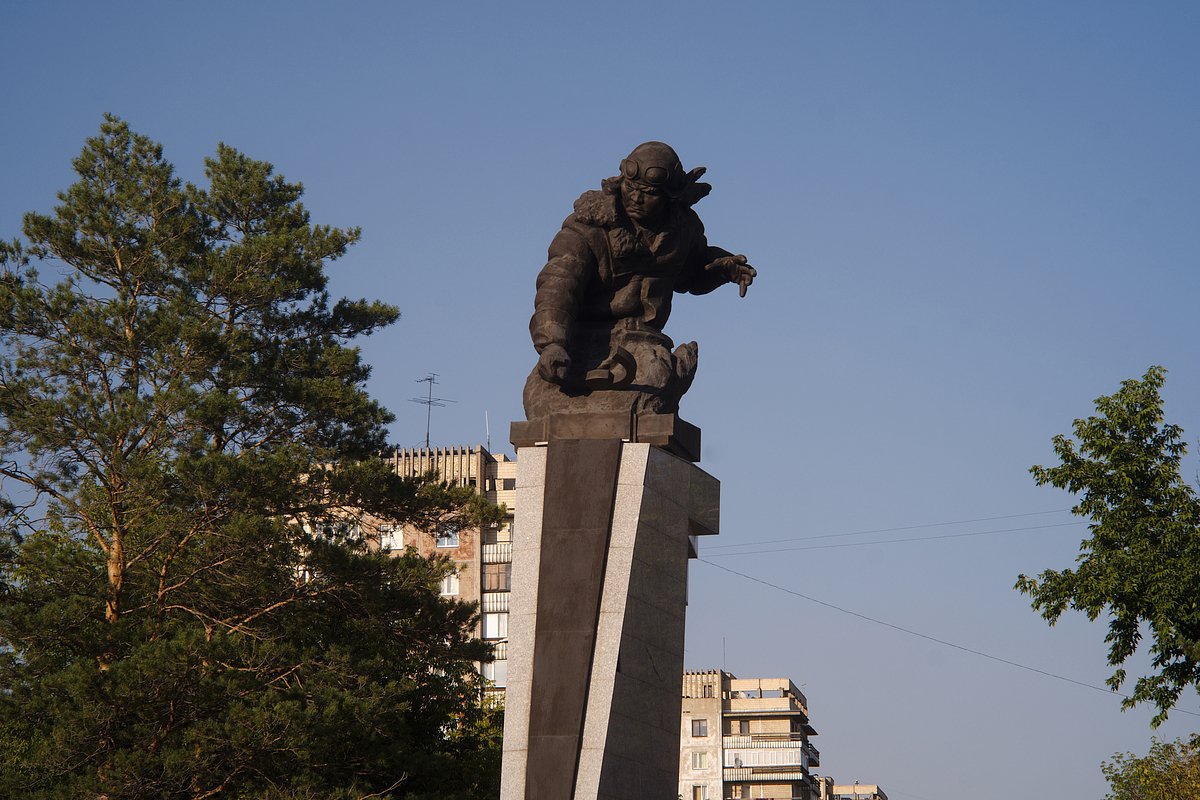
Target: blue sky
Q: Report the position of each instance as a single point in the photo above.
(969, 219)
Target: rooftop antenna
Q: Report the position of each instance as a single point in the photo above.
(429, 401)
(487, 427)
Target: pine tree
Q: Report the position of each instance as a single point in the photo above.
(189, 607)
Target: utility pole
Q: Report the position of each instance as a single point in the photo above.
(429, 401)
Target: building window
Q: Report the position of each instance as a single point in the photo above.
(508, 483)
(495, 626)
(700, 760)
(450, 585)
(390, 537)
(699, 727)
(744, 727)
(497, 673)
(498, 535)
(340, 529)
(708, 690)
(736, 791)
(497, 577)
(447, 537)
(699, 792)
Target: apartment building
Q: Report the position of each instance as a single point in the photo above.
(745, 739)
(483, 557)
(856, 791)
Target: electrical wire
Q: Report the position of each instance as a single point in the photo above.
(883, 541)
(897, 528)
(927, 637)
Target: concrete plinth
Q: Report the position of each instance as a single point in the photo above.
(596, 621)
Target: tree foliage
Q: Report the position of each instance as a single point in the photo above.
(1141, 564)
(188, 608)
(1170, 771)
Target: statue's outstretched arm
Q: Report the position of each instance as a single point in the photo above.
(734, 269)
(711, 267)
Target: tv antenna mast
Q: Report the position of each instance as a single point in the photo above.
(429, 401)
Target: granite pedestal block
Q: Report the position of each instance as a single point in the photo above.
(596, 622)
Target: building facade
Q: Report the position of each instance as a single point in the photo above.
(743, 739)
(483, 557)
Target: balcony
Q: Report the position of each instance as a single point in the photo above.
(765, 752)
(750, 774)
(494, 602)
(497, 553)
(763, 740)
(814, 755)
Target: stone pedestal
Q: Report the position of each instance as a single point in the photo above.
(596, 622)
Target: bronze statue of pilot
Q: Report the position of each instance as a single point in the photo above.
(605, 292)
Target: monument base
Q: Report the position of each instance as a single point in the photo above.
(667, 431)
(596, 620)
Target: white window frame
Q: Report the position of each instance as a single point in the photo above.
(448, 538)
(496, 672)
(494, 625)
(391, 537)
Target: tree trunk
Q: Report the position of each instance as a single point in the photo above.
(116, 578)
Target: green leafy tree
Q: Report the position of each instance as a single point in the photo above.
(1141, 564)
(1171, 771)
(188, 606)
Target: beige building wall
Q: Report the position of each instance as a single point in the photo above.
(700, 733)
(764, 750)
(483, 557)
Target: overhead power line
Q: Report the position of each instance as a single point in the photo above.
(897, 528)
(927, 637)
(883, 541)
